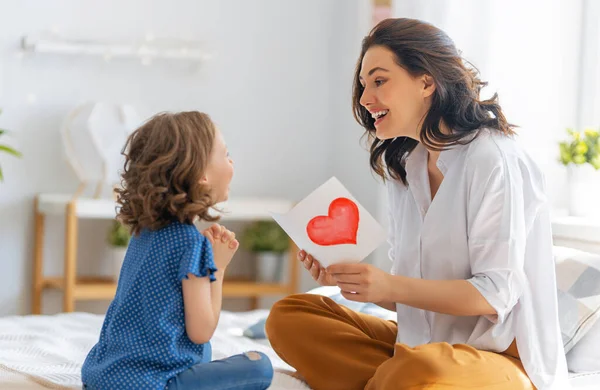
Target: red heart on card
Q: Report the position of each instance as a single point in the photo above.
(339, 226)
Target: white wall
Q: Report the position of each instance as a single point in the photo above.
(271, 83)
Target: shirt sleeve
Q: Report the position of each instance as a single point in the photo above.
(497, 236)
(198, 260)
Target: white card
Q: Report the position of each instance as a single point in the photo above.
(332, 226)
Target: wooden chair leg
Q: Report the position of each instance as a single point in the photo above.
(70, 272)
(38, 261)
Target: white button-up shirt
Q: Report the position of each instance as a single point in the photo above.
(488, 224)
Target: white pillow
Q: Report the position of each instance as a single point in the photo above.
(585, 355)
(578, 285)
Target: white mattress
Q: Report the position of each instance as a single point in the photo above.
(40, 352)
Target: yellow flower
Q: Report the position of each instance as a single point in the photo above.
(579, 159)
(581, 148)
(596, 161)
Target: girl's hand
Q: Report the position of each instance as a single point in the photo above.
(224, 244)
(319, 273)
(362, 282)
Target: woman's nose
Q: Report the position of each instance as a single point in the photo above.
(366, 98)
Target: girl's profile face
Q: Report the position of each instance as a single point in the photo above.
(219, 171)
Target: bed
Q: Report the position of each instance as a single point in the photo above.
(41, 352)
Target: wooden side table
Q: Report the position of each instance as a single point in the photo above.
(93, 288)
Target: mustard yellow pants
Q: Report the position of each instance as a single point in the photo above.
(333, 347)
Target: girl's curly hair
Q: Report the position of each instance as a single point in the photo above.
(165, 161)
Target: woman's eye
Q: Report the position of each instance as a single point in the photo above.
(378, 82)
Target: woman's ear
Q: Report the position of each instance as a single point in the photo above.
(428, 85)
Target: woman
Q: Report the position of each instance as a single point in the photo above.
(472, 280)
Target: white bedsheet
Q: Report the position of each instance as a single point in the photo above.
(39, 352)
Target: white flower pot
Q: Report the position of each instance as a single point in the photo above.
(269, 267)
(117, 255)
(584, 190)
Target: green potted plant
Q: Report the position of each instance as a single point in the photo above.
(580, 153)
(269, 242)
(6, 149)
(118, 239)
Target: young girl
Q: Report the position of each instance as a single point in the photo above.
(157, 329)
(473, 279)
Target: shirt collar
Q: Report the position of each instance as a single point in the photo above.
(447, 157)
(415, 162)
(417, 159)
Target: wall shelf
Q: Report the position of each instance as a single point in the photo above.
(147, 49)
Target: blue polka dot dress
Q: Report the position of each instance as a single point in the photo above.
(143, 342)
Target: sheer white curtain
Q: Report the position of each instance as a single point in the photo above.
(530, 53)
(589, 75)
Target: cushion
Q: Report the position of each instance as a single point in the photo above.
(585, 355)
(578, 284)
(256, 330)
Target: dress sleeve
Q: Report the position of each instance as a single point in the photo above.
(198, 260)
(497, 236)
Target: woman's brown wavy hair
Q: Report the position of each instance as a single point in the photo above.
(165, 161)
(421, 48)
